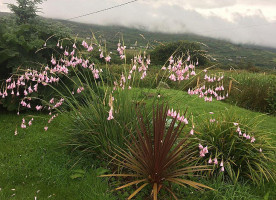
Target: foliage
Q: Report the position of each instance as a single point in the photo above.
(236, 148)
(157, 158)
(91, 132)
(161, 53)
(25, 10)
(252, 90)
(22, 46)
(226, 55)
(271, 100)
(44, 164)
(51, 175)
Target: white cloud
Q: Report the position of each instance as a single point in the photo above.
(243, 21)
(3, 5)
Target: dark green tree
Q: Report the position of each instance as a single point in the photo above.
(25, 10)
(161, 53)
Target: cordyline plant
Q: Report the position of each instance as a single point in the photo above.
(156, 156)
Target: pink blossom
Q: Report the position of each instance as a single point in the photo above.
(30, 122)
(107, 58)
(201, 154)
(222, 169)
(205, 150)
(252, 139)
(84, 44)
(200, 146)
(52, 101)
(53, 61)
(215, 161)
(72, 53)
(90, 48)
(221, 163)
(110, 114)
(23, 125)
(169, 113)
(210, 160)
(192, 132)
(101, 55)
(185, 120)
(46, 128)
(8, 80)
(212, 120)
(78, 90)
(38, 107)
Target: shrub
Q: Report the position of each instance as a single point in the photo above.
(271, 100)
(156, 156)
(161, 53)
(91, 132)
(99, 105)
(236, 148)
(252, 91)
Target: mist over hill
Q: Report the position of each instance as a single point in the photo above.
(225, 53)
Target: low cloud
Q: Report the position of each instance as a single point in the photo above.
(177, 16)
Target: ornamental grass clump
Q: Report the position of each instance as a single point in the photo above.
(236, 148)
(157, 156)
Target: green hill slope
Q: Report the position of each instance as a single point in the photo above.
(225, 53)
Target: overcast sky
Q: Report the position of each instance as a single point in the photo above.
(241, 21)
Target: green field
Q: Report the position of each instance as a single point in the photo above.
(66, 162)
(36, 163)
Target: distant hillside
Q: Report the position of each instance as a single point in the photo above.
(224, 52)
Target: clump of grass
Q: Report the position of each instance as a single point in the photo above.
(236, 148)
(253, 91)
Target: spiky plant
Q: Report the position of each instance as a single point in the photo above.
(156, 156)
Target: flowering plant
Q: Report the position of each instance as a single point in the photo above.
(235, 148)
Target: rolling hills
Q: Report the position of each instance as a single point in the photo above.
(225, 53)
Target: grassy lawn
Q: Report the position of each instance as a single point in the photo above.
(180, 100)
(36, 163)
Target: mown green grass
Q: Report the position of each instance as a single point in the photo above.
(36, 160)
(181, 100)
(36, 163)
